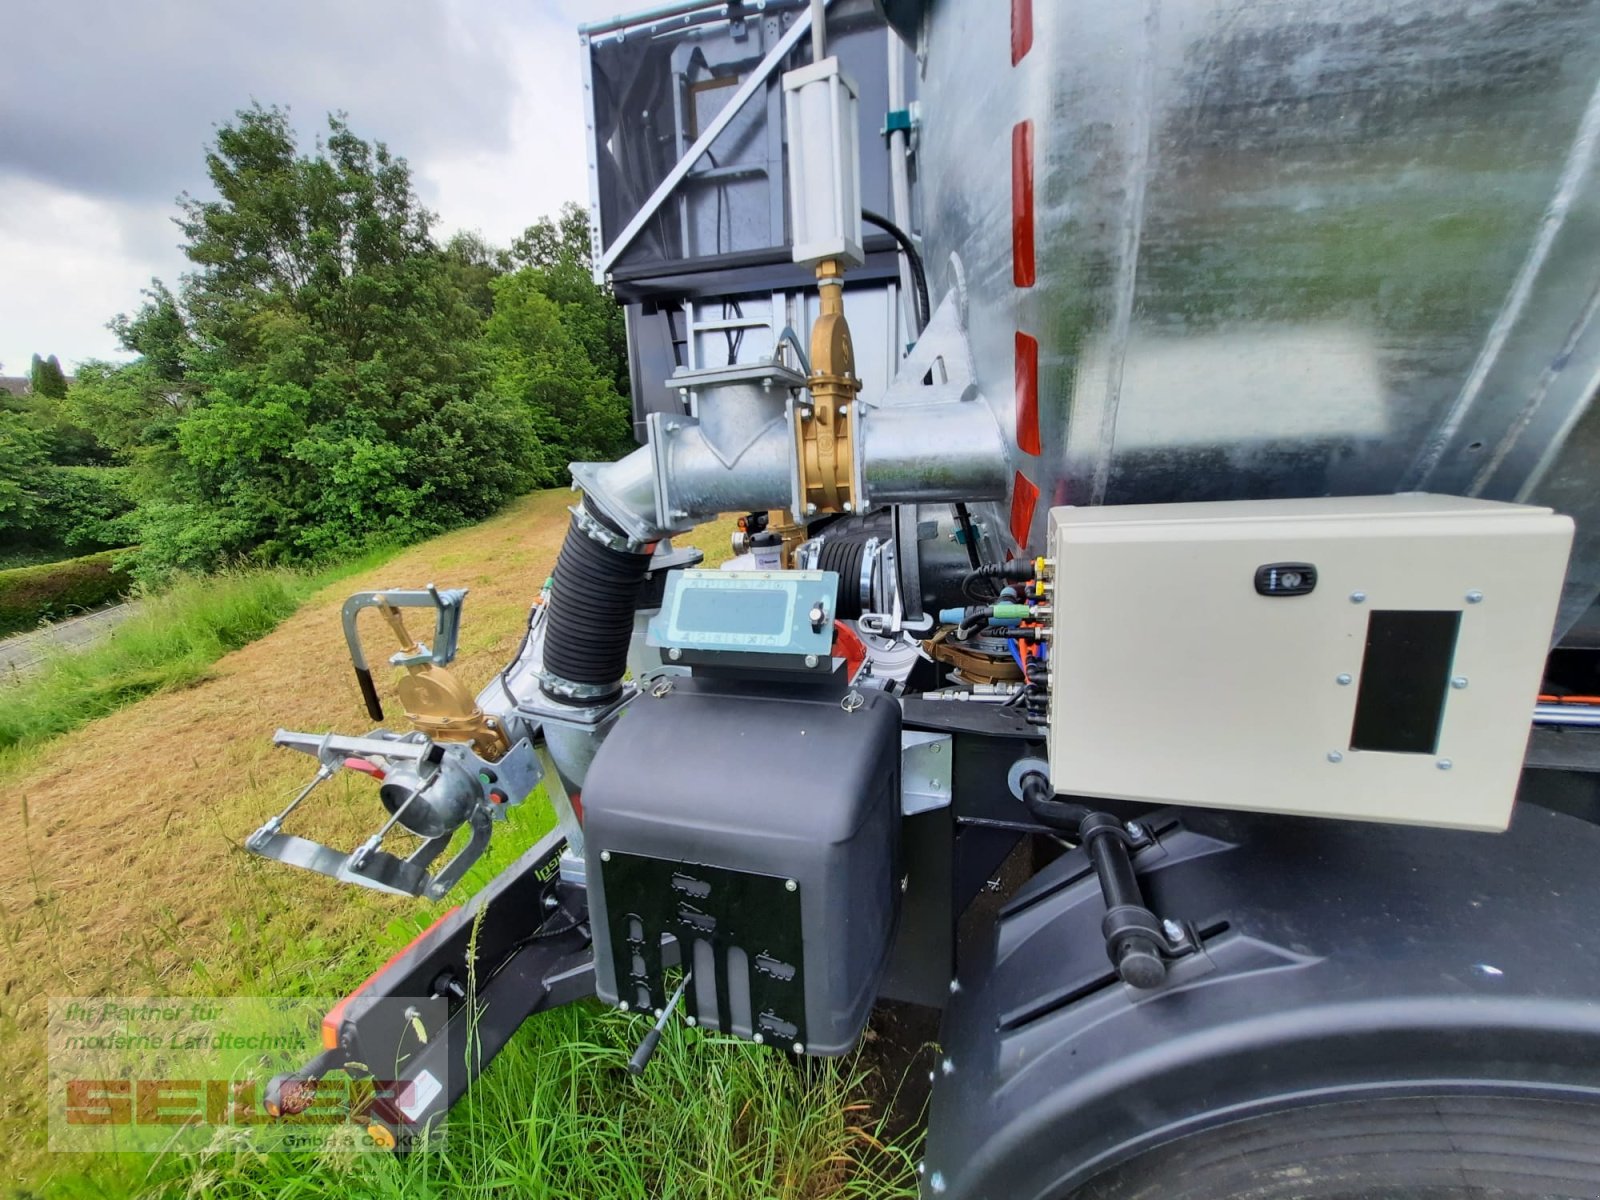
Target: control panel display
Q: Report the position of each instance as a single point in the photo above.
(768, 612)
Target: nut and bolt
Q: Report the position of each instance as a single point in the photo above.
(622, 1005)
(799, 1047)
(675, 654)
(605, 856)
(811, 660)
(1174, 932)
(790, 885)
(758, 1039)
(811, 510)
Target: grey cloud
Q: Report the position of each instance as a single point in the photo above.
(116, 99)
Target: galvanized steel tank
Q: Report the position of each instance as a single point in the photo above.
(1279, 248)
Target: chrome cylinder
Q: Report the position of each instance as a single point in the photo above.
(917, 453)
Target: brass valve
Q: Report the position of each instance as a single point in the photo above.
(438, 703)
(823, 437)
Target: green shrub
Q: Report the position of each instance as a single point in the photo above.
(29, 595)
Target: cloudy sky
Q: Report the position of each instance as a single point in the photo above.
(105, 108)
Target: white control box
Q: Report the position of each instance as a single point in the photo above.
(1373, 657)
(824, 164)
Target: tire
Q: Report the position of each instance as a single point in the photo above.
(1460, 1147)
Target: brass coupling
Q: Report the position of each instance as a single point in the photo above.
(824, 450)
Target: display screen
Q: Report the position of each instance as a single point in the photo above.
(747, 612)
(1405, 676)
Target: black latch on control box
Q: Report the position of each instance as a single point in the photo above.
(1286, 579)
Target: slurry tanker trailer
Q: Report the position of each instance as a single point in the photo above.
(1163, 439)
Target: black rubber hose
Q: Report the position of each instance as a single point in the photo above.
(1041, 800)
(919, 277)
(593, 595)
(844, 555)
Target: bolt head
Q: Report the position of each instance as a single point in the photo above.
(936, 1183)
(1345, 680)
(1358, 597)
(811, 660)
(844, 410)
(622, 1005)
(1459, 682)
(605, 856)
(811, 510)
(1173, 930)
(955, 986)
(799, 1047)
(1474, 597)
(675, 653)
(551, 902)
(758, 1039)
(947, 1065)
(691, 1020)
(848, 507)
(1335, 757)
(790, 885)
(1444, 764)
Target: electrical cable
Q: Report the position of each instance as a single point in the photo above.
(968, 534)
(919, 277)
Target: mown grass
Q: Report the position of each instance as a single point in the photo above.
(555, 1115)
(171, 642)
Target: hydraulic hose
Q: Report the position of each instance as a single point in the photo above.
(589, 620)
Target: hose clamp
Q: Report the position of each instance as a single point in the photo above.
(567, 689)
(598, 531)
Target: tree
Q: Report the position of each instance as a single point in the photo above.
(538, 357)
(316, 383)
(559, 251)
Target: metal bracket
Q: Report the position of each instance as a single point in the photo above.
(504, 782)
(926, 761)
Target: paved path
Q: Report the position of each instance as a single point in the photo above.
(26, 652)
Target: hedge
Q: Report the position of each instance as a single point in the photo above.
(29, 595)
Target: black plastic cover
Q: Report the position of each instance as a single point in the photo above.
(749, 786)
(1339, 960)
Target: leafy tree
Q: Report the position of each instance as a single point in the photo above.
(317, 382)
(22, 462)
(48, 378)
(538, 356)
(559, 251)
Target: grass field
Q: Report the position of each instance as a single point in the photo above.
(125, 875)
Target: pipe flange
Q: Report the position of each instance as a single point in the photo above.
(1022, 768)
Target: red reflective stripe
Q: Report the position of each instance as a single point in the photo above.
(1022, 204)
(335, 1017)
(1024, 495)
(1027, 393)
(1021, 29)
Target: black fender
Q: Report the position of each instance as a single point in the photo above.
(1338, 960)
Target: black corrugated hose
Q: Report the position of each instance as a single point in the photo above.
(589, 623)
